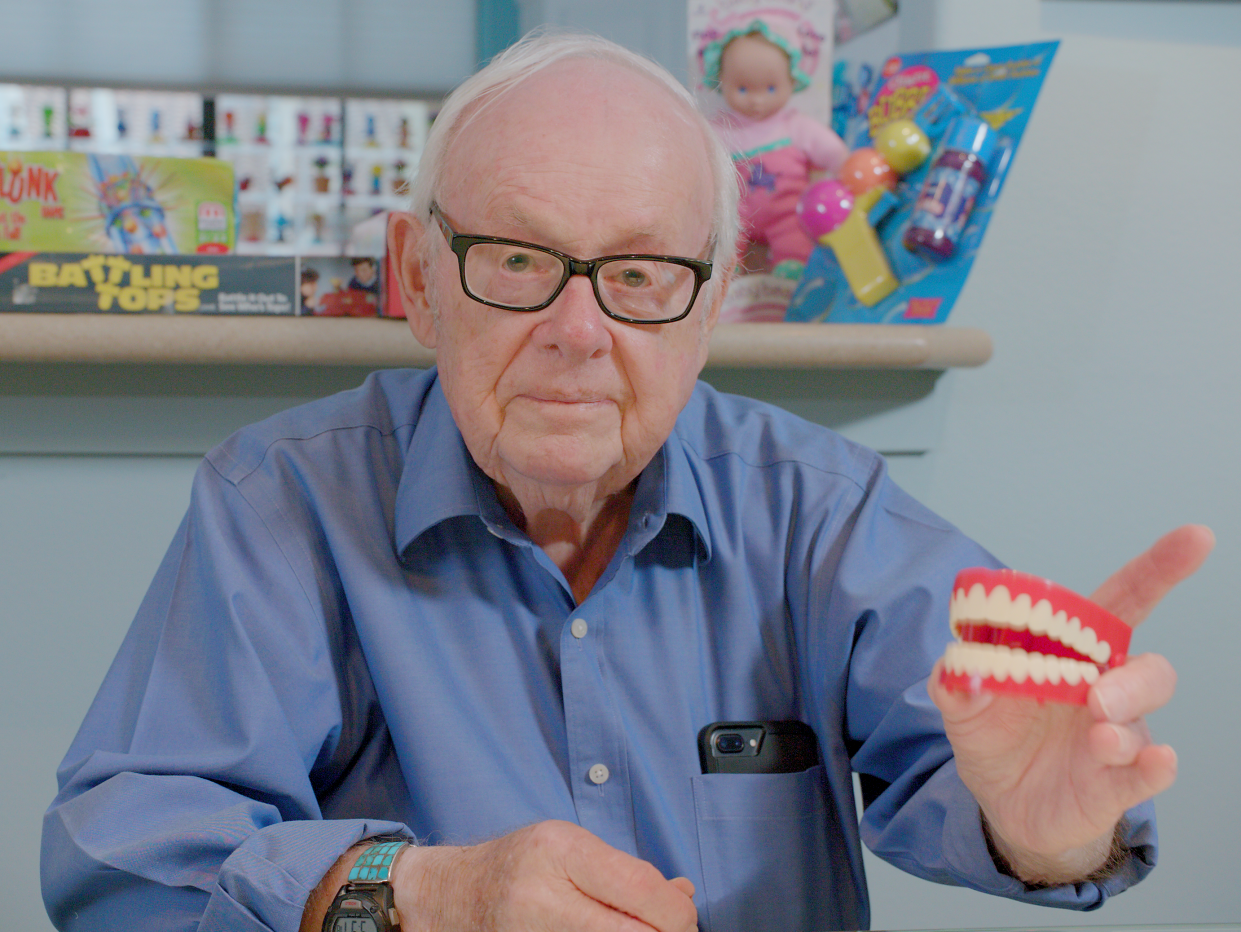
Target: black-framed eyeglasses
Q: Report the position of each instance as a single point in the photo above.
(517, 276)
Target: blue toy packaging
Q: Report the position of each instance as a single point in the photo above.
(933, 136)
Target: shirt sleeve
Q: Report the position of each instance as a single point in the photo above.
(890, 592)
(189, 796)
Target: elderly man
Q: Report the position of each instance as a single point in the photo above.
(488, 608)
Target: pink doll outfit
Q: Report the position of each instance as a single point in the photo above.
(774, 158)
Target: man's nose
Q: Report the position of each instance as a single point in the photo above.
(576, 324)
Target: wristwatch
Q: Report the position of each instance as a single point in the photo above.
(365, 903)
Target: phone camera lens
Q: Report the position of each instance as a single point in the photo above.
(729, 743)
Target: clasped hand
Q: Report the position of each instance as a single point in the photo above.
(547, 876)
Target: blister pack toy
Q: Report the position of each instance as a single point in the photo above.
(933, 136)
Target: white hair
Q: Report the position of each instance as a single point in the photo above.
(527, 58)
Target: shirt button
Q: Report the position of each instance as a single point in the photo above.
(578, 629)
(599, 774)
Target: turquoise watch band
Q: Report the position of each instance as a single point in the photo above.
(375, 864)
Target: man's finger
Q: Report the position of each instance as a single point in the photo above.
(1146, 683)
(684, 884)
(1139, 585)
(630, 886)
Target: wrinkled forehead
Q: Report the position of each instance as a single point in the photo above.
(595, 122)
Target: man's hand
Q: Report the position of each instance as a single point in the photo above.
(547, 877)
(1053, 780)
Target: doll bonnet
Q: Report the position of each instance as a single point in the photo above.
(783, 28)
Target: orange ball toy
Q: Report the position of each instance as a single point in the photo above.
(865, 169)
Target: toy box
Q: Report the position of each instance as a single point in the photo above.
(80, 202)
(942, 128)
(109, 283)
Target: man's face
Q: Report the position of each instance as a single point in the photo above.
(590, 160)
(364, 272)
(754, 77)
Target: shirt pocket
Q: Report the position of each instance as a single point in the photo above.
(766, 843)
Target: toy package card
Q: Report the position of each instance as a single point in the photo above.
(101, 282)
(80, 202)
(933, 136)
(335, 286)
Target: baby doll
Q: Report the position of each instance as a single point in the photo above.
(775, 146)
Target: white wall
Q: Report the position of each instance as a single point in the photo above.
(1109, 411)
(386, 45)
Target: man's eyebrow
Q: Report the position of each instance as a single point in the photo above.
(522, 220)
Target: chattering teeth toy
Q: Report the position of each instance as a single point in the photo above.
(1024, 635)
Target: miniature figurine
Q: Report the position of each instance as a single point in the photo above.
(758, 67)
(321, 181)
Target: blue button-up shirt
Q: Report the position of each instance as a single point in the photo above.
(349, 636)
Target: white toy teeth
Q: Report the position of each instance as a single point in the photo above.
(1023, 634)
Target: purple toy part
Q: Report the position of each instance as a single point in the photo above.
(823, 207)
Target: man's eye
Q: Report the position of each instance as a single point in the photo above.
(634, 278)
(771, 88)
(518, 262)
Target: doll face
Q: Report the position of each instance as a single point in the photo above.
(754, 77)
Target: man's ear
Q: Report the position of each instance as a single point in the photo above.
(405, 233)
(712, 312)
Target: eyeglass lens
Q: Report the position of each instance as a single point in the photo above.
(524, 277)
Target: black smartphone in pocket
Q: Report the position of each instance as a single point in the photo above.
(757, 747)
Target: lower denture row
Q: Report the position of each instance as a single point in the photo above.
(1003, 663)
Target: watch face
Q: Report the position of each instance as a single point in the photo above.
(354, 921)
(353, 916)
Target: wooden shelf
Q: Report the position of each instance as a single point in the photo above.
(119, 338)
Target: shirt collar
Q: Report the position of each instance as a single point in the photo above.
(442, 481)
(682, 491)
(439, 479)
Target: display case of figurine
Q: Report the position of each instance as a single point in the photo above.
(383, 142)
(32, 117)
(286, 153)
(113, 121)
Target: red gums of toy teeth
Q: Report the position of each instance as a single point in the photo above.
(1025, 635)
